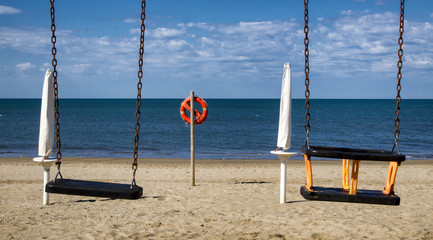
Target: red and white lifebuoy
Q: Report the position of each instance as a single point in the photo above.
(200, 117)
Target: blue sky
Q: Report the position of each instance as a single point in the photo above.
(219, 49)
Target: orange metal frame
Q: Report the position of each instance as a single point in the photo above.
(351, 186)
(309, 171)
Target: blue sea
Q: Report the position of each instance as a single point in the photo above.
(234, 129)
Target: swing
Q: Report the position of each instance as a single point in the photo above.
(349, 191)
(93, 188)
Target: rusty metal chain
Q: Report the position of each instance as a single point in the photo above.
(399, 76)
(307, 79)
(139, 86)
(56, 91)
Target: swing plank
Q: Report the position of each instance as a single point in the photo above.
(352, 153)
(94, 189)
(339, 195)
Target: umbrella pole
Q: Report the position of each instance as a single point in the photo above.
(46, 163)
(192, 140)
(46, 199)
(284, 157)
(283, 179)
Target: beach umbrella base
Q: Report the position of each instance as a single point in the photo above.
(46, 163)
(284, 157)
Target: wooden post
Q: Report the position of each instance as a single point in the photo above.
(192, 140)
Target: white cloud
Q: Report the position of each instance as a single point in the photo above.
(205, 54)
(19, 40)
(131, 20)
(165, 32)
(134, 30)
(349, 49)
(25, 66)
(8, 10)
(379, 2)
(346, 12)
(420, 60)
(104, 41)
(176, 44)
(79, 68)
(356, 46)
(207, 40)
(254, 27)
(44, 67)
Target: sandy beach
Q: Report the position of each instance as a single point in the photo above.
(233, 199)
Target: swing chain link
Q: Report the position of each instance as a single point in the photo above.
(139, 86)
(56, 92)
(399, 76)
(307, 72)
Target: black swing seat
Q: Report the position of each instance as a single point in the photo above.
(352, 153)
(338, 195)
(94, 189)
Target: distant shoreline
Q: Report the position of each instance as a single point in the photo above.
(109, 160)
(180, 98)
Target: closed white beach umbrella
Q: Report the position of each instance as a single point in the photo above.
(46, 131)
(46, 127)
(284, 126)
